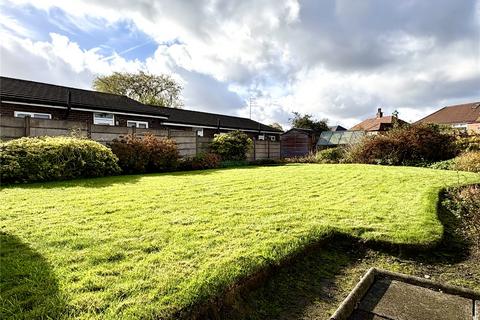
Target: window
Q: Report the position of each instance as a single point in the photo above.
(261, 137)
(37, 115)
(273, 138)
(103, 118)
(200, 132)
(137, 124)
(460, 126)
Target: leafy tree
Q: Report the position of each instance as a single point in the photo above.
(160, 90)
(276, 125)
(307, 121)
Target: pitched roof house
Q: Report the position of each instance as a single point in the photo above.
(379, 123)
(20, 98)
(462, 116)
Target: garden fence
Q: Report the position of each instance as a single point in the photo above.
(189, 144)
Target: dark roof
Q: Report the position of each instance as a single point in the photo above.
(337, 128)
(302, 130)
(377, 124)
(190, 117)
(44, 93)
(461, 113)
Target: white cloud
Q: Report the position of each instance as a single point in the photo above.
(333, 59)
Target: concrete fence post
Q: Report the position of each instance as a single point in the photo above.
(268, 148)
(89, 130)
(27, 126)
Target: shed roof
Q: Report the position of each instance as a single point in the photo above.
(461, 113)
(301, 130)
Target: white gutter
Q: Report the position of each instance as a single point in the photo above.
(83, 109)
(33, 104)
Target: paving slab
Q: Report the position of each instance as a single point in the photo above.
(363, 315)
(387, 295)
(476, 310)
(402, 301)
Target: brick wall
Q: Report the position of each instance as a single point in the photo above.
(8, 110)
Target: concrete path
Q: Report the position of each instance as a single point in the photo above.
(384, 295)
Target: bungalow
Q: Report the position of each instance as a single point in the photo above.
(378, 124)
(21, 98)
(465, 117)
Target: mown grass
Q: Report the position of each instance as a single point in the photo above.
(149, 246)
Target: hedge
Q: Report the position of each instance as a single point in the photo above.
(54, 158)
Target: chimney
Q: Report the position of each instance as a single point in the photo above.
(379, 113)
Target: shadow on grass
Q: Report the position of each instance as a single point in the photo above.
(101, 182)
(28, 286)
(312, 280)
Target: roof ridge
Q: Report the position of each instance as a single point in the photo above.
(212, 113)
(68, 88)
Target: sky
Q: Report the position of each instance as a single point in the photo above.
(334, 59)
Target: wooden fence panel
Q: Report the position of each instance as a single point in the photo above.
(187, 142)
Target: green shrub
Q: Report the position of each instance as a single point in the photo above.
(201, 161)
(464, 203)
(330, 155)
(468, 161)
(308, 158)
(145, 154)
(404, 146)
(54, 158)
(231, 146)
(466, 143)
(444, 165)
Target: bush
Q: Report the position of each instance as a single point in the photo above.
(464, 203)
(148, 154)
(330, 155)
(54, 158)
(231, 146)
(444, 165)
(410, 145)
(469, 161)
(201, 161)
(467, 143)
(308, 158)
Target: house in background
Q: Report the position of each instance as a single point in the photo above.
(21, 98)
(378, 124)
(208, 124)
(465, 117)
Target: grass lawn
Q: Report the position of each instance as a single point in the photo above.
(149, 246)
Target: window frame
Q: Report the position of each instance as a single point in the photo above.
(261, 137)
(32, 114)
(200, 132)
(273, 138)
(103, 124)
(137, 122)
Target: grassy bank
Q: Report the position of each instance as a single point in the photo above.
(150, 246)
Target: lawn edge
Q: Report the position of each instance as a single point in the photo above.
(214, 306)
